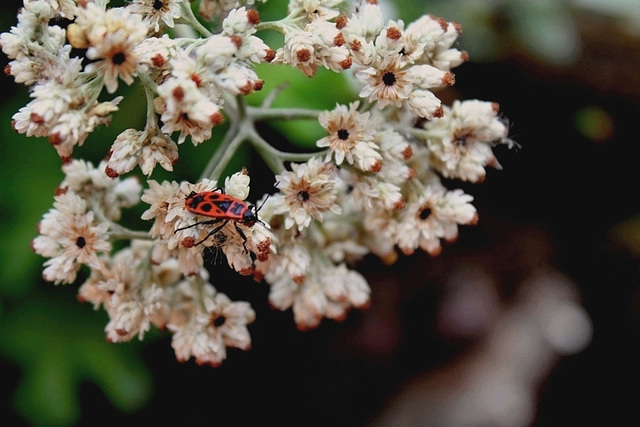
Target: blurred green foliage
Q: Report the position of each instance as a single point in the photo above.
(59, 345)
(54, 341)
(328, 88)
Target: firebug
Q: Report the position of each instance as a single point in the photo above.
(222, 208)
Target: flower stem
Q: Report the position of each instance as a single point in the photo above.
(268, 154)
(223, 154)
(417, 132)
(273, 157)
(150, 88)
(243, 118)
(188, 16)
(282, 113)
(128, 235)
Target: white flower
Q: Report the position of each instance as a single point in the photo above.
(112, 36)
(64, 109)
(237, 185)
(154, 54)
(305, 193)
(54, 8)
(135, 290)
(125, 152)
(437, 36)
(462, 140)
(381, 226)
(70, 237)
(198, 68)
(239, 26)
(144, 148)
(292, 261)
(207, 334)
(187, 110)
(367, 22)
(105, 193)
(132, 318)
(318, 44)
(157, 13)
(360, 30)
(38, 50)
(350, 137)
(238, 79)
(322, 10)
(423, 103)
(327, 291)
(389, 82)
(369, 192)
(435, 215)
(220, 67)
(400, 67)
(341, 236)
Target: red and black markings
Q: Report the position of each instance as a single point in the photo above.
(219, 205)
(222, 208)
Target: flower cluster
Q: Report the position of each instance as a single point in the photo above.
(374, 186)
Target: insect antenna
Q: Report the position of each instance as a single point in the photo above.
(257, 209)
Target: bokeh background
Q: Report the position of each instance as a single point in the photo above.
(531, 318)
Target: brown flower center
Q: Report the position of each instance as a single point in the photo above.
(388, 78)
(424, 213)
(118, 58)
(219, 321)
(303, 196)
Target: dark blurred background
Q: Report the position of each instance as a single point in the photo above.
(530, 318)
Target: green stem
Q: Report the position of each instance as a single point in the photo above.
(231, 107)
(128, 235)
(282, 113)
(272, 95)
(188, 17)
(275, 158)
(199, 285)
(243, 130)
(241, 107)
(223, 154)
(116, 231)
(234, 137)
(417, 132)
(268, 154)
(284, 25)
(150, 89)
(278, 26)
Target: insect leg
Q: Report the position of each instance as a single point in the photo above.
(244, 238)
(208, 222)
(215, 230)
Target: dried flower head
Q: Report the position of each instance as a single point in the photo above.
(70, 237)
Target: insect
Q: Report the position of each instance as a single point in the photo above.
(222, 208)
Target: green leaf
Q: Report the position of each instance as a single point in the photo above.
(31, 170)
(300, 92)
(547, 29)
(124, 379)
(59, 345)
(45, 396)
